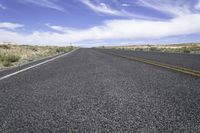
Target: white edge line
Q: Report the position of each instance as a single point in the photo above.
(41, 63)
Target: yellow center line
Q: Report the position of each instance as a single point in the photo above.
(168, 66)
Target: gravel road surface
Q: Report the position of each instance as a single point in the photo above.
(90, 91)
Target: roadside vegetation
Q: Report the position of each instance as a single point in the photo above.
(11, 55)
(190, 48)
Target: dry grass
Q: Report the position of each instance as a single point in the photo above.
(193, 48)
(19, 54)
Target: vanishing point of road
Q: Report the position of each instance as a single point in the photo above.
(90, 90)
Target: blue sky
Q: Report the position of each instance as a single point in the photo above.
(99, 22)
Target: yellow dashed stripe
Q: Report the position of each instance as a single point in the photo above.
(168, 66)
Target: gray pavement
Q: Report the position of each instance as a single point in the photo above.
(191, 61)
(90, 91)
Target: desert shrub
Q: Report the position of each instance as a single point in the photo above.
(8, 59)
(59, 50)
(12, 58)
(195, 48)
(51, 51)
(34, 49)
(138, 49)
(71, 48)
(64, 49)
(185, 50)
(5, 46)
(6, 63)
(154, 49)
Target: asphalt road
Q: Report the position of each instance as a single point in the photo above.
(90, 91)
(191, 61)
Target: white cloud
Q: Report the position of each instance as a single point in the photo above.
(46, 3)
(171, 7)
(10, 26)
(125, 5)
(3, 7)
(140, 29)
(111, 30)
(61, 28)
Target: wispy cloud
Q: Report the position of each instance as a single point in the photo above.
(3, 7)
(113, 30)
(46, 3)
(10, 26)
(103, 8)
(106, 9)
(171, 7)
